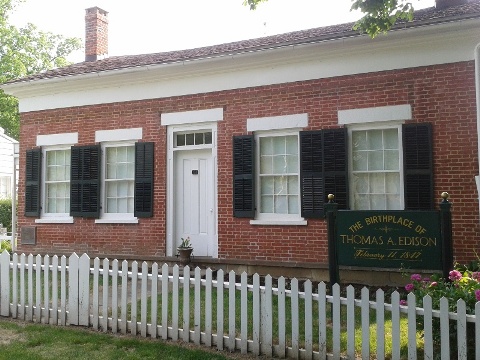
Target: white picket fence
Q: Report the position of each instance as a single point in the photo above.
(247, 317)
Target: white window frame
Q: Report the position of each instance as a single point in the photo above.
(53, 142)
(368, 127)
(276, 126)
(114, 138)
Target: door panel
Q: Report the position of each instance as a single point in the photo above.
(194, 200)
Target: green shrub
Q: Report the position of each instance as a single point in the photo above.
(6, 213)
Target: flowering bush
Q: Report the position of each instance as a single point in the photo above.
(459, 285)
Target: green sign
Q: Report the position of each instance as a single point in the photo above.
(389, 239)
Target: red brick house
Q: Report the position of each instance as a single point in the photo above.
(237, 145)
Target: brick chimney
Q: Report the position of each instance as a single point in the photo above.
(442, 4)
(96, 34)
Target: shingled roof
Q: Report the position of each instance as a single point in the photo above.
(428, 16)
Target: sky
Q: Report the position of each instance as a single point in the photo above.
(149, 26)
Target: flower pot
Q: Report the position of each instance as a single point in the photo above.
(184, 255)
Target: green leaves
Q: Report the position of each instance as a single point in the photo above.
(26, 51)
(381, 15)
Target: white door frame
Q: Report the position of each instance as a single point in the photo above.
(171, 130)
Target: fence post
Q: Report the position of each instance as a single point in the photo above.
(5, 283)
(331, 214)
(73, 261)
(84, 290)
(446, 231)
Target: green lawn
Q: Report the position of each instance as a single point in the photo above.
(19, 340)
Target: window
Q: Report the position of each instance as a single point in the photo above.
(278, 174)
(119, 179)
(5, 187)
(375, 169)
(57, 182)
(295, 172)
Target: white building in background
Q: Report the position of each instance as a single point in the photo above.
(7, 150)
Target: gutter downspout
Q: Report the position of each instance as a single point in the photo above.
(14, 197)
(477, 94)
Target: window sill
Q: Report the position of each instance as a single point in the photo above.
(117, 221)
(66, 220)
(300, 222)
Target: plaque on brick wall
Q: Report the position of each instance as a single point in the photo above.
(28, 235)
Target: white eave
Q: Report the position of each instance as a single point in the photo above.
(322, 58)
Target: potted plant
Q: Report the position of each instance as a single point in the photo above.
(185, 250)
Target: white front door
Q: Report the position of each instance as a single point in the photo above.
(194, 200)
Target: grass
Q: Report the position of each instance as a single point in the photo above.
(38, 342)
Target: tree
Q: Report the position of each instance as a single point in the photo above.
(380, 15)
(26, 51)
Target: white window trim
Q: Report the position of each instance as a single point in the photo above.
(49, 142)
(118, 135)
(114, 218)
(192, 117)
(377, 126)
(295, 121)
(375, 114)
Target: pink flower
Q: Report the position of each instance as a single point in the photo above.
(476, 276)
(454, 275)
(403, 302)
(477, 294)
(416, 277)
(434, 283)
(409, 287)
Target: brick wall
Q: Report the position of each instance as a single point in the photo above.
(443, 95)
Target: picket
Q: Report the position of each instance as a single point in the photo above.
(380, 320)
(37, 290)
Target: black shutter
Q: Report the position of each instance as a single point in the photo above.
(143, 179)
(85, 181)
(33, 167)
(311, 174)
(323, 170)
(335, 165)
(243, 176)
(418, 166)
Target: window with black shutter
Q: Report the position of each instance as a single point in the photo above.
(85, 181)
(33, 167)
(144, 179)
(418, 166)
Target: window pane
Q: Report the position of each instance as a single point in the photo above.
(375, 139)
(293, 188)
(393, 202)
(279, 145)
(292, 145)
(375, 160)
(361, 202)
(378, 202)
(392, 161)
(292, 164)
(392, 183)
(360, 162)
(281, 205)
(377, 183)
(359, 140)
(391, 138)
(266, 165)
(199, 139)
(266, 184)
(279, 164)
(293, 205)
(266, 146)
(267, 204)
(181, 140)
(280, 186)
(189, 139)
(360, 182)
(208, 137)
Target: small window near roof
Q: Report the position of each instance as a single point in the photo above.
(193, 138)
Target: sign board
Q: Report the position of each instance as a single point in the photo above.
(389, 239)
